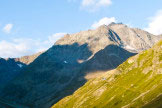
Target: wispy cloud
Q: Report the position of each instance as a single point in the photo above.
(20, 47)
(103, 21)
(7, 28)
(155, 24)
(93, 5)
(54, 37)
(25, 46)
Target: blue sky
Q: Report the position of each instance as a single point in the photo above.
(29, 26)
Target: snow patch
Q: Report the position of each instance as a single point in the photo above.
(65, 62)
(20, 65)
(129, 47)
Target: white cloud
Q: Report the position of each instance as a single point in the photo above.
(88, 2)
(103, 21)
(96, 2)
(53, 38)
(155, 25)
(25, 46)
(93, 5)
(7, 28)
(19, 47)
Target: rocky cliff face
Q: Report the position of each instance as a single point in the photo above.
(73, 60)
(137, 83)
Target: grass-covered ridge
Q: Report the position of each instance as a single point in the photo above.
(136, 83)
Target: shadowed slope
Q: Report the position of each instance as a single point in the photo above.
(48, 74)
(49, 78)
(9, 68)
(108, 58)
(135, 83)
(155, 103)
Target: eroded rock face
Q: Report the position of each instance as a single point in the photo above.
(61, 70)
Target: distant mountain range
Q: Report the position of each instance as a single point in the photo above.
(72, 61)
(137, 83)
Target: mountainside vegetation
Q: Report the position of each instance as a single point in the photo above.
(137, 83)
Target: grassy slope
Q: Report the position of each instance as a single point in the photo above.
(135, 83)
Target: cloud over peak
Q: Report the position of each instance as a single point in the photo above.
(155, 24)
(103, 21)
(54, 37)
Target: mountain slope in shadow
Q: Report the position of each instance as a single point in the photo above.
(49, 78)
(11, 67)
(136, 83)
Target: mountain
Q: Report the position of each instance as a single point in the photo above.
(137, 83)
(72, 61)
(11, 67)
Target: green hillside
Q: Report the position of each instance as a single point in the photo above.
(137, 83)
